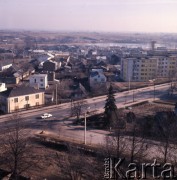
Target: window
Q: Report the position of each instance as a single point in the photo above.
(37, 96)
(37, 103)
(41, 80)
(41, 84)
(15, 100)
(27, 98)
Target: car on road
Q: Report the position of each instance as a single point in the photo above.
(129, 108)
(46, 115)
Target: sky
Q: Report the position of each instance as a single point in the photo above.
(90, 15)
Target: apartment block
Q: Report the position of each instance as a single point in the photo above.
(138, 69)
(144, 69)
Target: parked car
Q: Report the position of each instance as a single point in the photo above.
(46, 115)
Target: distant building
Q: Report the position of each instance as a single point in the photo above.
(18, 98)
(139, 69)
(2, 87)
(39, 80)
(97, 77)
(144, 69)
(50, 66)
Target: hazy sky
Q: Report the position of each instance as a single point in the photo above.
(90, 15)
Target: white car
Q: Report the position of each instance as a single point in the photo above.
(46, 115)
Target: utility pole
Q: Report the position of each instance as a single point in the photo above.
(133, 96)
(56, 95)
(85, 129)
(154, 91)
(129, 85)
(85, 126)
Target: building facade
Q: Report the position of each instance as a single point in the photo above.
(39, 81)
(18, 98)
(97, 77)
(145, 69)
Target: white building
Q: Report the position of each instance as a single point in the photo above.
(97, 77)
(2, 87)
(39, 80)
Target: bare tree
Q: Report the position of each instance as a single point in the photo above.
(73, 165)
(165, 131)
(137, 145)
(78, 107)
(16, 154)
(115, 144)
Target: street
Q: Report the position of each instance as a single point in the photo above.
(61, 122)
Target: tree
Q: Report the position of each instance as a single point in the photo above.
(136, 141)
(110, 107)
(76, 165)
(77, 108)
(165, 130)
(16, 152)
(137, 146)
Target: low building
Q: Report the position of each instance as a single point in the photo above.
(5, 65)
(2, 87)
(18, 98)
(39, 80)
(50, 66)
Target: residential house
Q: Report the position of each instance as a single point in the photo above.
(2, 87)
(97, 77)
(39, 80)
(17, 98)
(50, 65)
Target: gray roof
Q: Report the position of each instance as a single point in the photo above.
(20, 91)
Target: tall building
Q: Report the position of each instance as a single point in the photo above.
(144, 69)
(139, 69)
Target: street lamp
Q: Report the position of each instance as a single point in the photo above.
(133, 96)
(154, 91)
(85, 126)
(129, 84)
(153, 80)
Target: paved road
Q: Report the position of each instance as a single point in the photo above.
(61, 122)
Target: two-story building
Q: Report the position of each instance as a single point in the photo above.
(18, 98)
(39, 81)
(97, 77)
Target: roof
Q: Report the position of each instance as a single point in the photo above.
(38, 75)
(20, 91)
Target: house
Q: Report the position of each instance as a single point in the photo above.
(2, 87)
(97, 77)
(50, 65)
(21, 97)
(43, 58)
(39, 80)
